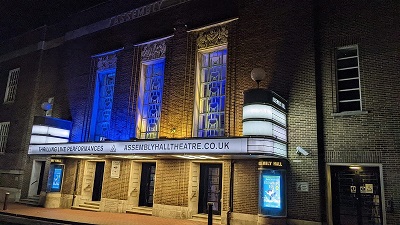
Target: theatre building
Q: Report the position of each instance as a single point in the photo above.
(260, 111)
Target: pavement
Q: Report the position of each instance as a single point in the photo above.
(32, 215)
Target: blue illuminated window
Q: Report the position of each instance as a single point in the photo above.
(210, 88)
(150, 99)
(102, 107)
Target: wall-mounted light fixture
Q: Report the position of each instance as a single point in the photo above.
(265, 113)
(48, 106)
(258, 75)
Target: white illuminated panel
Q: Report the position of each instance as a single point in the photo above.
(52, 131)
(264, 128)
(40, 139)
(260, 111)
(266, 146)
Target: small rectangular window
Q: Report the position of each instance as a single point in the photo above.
(348, 79)
(12, 82)
(4, 127)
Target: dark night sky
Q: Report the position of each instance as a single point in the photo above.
(19, 16)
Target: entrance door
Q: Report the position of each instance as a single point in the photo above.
(210, 187)
(356, 196)
(37, 175)
(98, 181)
(147, 184)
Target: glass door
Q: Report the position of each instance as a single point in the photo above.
(210, 187)
(147, 184)
(356, 196)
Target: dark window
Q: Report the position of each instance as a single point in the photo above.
(348, 79)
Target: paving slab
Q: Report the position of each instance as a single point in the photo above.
(20, 213)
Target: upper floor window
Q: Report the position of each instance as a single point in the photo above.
(103, 104)
(4, 127)
(12, 82)
(209, 114)
(103, 96)
(150, 99)
(348, 79)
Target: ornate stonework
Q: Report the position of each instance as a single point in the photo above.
(153, 50)
(215, 36)
(106, 62)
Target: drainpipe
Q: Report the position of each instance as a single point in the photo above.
(76, 181)
(230, 210)
(319, 106)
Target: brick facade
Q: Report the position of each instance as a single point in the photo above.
(293, 42)
(371, 137)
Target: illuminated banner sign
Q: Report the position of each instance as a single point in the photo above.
(216, 146)
(189, 146)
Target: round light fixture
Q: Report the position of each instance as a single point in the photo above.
(46, 106)
(258, 74)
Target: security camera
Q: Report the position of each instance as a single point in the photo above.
(301, 151)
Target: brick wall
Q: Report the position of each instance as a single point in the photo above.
(172, 180)
(371, 137)
(69, 176)
(226, 178)
(279, 41)
(245, 187)
(116, 188)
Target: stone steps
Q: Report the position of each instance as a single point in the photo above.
(204, 218)
(31, 200)
(141, 210)
(88, 206)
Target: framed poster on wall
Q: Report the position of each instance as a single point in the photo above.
(55, 178)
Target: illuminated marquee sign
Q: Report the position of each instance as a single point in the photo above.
(202, 146)
(189, 146)
(50, 130)
(264, 114)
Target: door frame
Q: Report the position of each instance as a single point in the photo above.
(140, 197)
(101, 182)
(86, 185)
(328, 190)
(221, 166)
(37, 167)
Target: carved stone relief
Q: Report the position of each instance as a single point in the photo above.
(106, 62)
(215, 36)
(153, 50)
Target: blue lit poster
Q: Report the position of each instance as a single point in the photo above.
(56, 179)
(272, 194)
(271, 191)
(54, 182)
